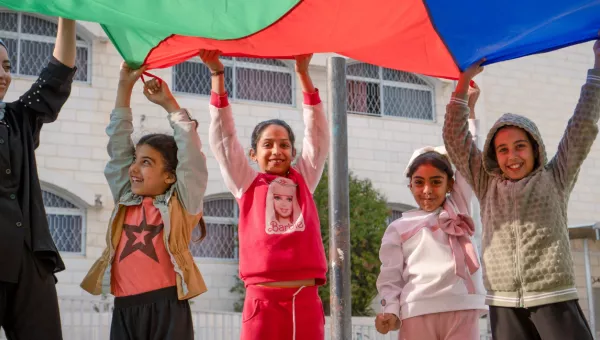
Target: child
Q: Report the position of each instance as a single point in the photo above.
(430, 277)
(28, 255)
(158, 188)
(528, 268)
(282, 260)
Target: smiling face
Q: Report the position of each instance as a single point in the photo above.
(514, 152)
(5, 76)
(283, 205)
(274, 151)
(147, 173)
(429, 186)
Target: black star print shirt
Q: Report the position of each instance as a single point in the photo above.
(22, 214)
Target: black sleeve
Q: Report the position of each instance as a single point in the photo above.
(43, 101)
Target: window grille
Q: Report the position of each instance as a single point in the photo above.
(66, 222)
(221, 218)
(30, 41)
(379, 91)
(246, 79)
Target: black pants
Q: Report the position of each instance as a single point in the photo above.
(155, 315)
(557, 321)
(29, 308)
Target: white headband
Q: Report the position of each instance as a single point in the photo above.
(439, 149)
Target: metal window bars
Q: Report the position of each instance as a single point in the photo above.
(30, 40)
(246, 79)
(379, 91)
(66, 222)
(221, 217)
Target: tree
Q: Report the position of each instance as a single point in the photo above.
(368, 220)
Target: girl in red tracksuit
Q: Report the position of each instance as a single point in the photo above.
(282, 259)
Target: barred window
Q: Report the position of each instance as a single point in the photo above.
(66, 223)
(396, 211)
(251, 79)
(378, 91)
(394, 215)
(221, 218)
(30, 41)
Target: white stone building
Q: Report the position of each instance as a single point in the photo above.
(390, 114)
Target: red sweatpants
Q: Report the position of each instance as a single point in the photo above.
(282, 314)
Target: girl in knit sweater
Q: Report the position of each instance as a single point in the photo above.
(430, 281)
(528, 267)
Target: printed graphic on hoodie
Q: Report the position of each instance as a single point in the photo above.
(283, 213)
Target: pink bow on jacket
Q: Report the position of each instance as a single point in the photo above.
(460, 228)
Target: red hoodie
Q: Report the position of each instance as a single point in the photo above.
(279, 230)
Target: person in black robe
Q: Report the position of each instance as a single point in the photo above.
(28, 256)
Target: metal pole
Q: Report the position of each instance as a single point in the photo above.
(588, 283)
(339, 204)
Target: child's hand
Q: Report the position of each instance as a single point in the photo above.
(302, 62)
(473, 92)
(465, 78)
(128, 77)
(472, 70)
(211, 60)
(385, 323)
(158, 92)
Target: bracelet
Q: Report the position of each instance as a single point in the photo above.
(218, 73)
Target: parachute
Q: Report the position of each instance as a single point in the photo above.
(432, 37)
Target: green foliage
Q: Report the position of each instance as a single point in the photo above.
(368, 220)
(240, 289)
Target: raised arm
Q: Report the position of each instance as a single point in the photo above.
(315, 144)
(581, 131)
(120, 146)
(462, 193)
(458, 140)
(224, 143)
(191, 172)
(44, 100)
(64, 49)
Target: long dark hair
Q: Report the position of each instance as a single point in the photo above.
(436, 159)
(167, 147)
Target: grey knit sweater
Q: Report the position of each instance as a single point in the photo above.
(526, 255)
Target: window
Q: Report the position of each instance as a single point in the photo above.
(66, 223)
(394, 215)
(379, 91)
(261, 80)
(30, 42)
(396, 210)
(221, 218)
